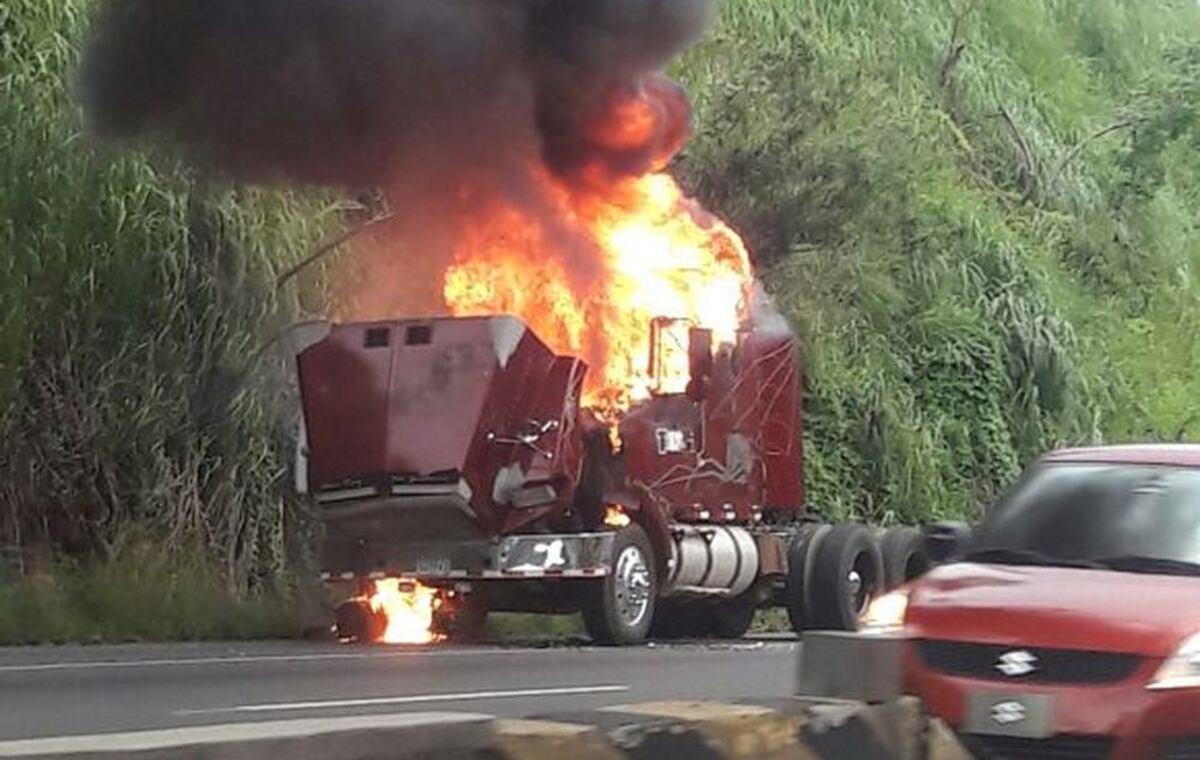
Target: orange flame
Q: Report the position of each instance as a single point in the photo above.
(408, 607)
(647, 251)
(615, 517)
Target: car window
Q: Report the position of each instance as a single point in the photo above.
(1098, 511)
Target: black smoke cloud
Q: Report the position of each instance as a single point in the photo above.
(396, 93)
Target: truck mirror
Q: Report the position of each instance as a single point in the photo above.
(946, 541)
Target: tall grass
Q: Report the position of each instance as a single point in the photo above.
(135, 299)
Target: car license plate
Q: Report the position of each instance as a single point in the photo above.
(433, 566)
(1026, 715)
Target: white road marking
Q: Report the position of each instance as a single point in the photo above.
(238, 659)
(369, 655)
(195, 741)
(411, 699)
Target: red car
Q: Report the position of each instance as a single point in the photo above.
(1070, 627)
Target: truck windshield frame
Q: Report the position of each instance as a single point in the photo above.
(1097, 513)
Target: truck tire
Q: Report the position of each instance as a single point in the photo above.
(847, 572)
(675, 619)
(619, 608)
(731, 619)
(904, 556)
(468, 625)
(356, 621)
(794, 588)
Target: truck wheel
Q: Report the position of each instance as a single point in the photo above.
(620, 606)
(677, 620)
(468, 625)
(847, 572)
(794, 593)
(732, 619)
(904, 556)
(356, 621)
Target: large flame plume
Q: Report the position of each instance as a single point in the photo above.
(654, 253)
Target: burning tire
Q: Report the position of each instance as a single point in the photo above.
(847, 572)
(904, 556)
(356, 621)
(795, 595)
(620, 607)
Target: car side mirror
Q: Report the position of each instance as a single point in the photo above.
(946, 541)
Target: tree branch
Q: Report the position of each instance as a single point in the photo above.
(1027, 162)
(331, 245)
(1075, 151)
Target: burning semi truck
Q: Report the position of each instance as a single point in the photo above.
(458, 471)
(628, 442)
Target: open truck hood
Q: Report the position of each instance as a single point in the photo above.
(395, 406)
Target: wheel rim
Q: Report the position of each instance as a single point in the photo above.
(632, 586)
(861, 583)
(854, 587)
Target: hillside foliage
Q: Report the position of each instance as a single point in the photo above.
(140, 401)
(980, 217)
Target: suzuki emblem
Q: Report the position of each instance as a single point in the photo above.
(1008, 713)
(1018, 662)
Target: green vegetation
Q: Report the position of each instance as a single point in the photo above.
(980, 216)
(140, 593)
(135, 395)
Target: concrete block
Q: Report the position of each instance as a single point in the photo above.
(544, 739)
(866, 667)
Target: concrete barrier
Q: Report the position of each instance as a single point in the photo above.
(786, 729)
(412, 736)
(783, 729)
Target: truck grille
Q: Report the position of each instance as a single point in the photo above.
(1057, 748)
(1050, 666)
(1185, 748)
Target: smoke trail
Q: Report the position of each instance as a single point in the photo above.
(386, 92)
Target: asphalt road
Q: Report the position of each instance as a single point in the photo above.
(59, 691)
